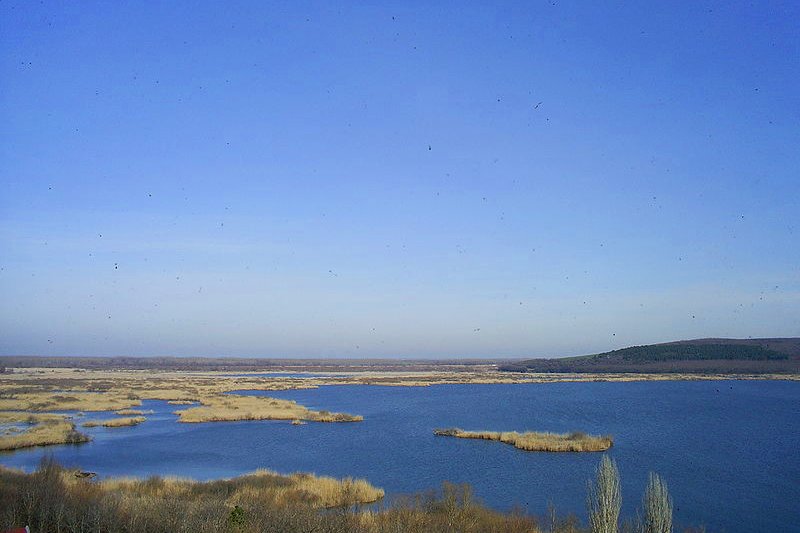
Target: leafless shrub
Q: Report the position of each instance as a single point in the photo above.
(605, 498)
(657, 504)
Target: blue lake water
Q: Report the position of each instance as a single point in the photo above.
(727, 449)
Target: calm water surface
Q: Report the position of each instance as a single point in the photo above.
(728, 450)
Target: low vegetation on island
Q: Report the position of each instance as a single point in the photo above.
(134, 412)
(23, 430)
(533, 441)
(232, 407)
(34, 395)
(115, 422)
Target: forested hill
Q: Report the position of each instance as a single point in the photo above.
(699, 355)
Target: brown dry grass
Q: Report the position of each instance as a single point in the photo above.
(235, 407)
(44, 400)
(261, 485)
(41, 430)
(115, 422)
(134, 412)
(537, 441)
(55, 499)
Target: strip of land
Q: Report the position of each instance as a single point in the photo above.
(23, 430)
(533, 441)
(259, 486)
(697, 356)
(232, 407)
(115, 422)
(134, 412)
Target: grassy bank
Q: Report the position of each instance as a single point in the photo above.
(38, 398)
(261, 485)
(536, 441)
(134, 412)
(24, 430)
(54, 499)
(234, 407)
(115, 422)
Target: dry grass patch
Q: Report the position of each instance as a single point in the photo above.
(234, 407)
(115, 422)
(44, 400)
(38, 430)
(134, 412)
(172, 394)
(537, 442)
(260, 486)
(57, 499)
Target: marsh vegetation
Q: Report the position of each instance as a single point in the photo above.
(537, 441)
(43, 390)
(57, 499)
(115, 422)
(134, 412)
(235, 407)
(23, 430)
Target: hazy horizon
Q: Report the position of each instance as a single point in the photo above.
(408, 181)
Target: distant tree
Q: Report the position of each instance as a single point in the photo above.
(605, 498)
(657, 505)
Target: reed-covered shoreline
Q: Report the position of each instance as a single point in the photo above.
(232, 407)
(24, 430)
(537, 441)
(69, 501)
(115, 422)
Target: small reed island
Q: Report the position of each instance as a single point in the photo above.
(533, 441)
(115, 422)
(232, 407)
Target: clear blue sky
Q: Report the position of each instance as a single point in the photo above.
(408, 179)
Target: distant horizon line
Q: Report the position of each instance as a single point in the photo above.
(387, 358)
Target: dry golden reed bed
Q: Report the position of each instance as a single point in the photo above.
(55, 499)
(115, 422)
(319, 491)
(38, 430)
(235, 407)
(537, 442)
(134, 412)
